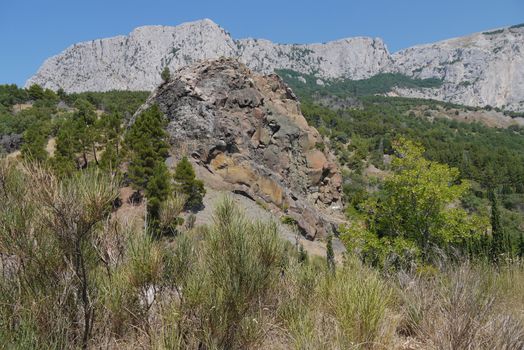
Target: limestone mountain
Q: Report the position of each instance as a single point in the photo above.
(245, 134)
(477, 70)
(480, 69)
(134, 62)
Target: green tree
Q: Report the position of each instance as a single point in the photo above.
(418, 200)
(85, 121)
(35, 92)
(147, 149)
(110, 131)
(157, 191)
(166, 74)
(67, 146)
(186, 183)
(35, 139)
(146, 145)
(497, 231)
(330, 255)
(416, 210)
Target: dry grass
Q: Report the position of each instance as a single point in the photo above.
(232, 285)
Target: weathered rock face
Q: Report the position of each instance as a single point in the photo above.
(134, 62)
(247, 131)
(10, 143)
(478, 70)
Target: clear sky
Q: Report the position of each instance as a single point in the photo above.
(32, 30)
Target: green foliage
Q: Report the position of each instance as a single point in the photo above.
(378, 84)
(494, 32)
(146, 145)
(11, 95)
(498, 240)
(520, 247)
(416, 211)
(35, 141)
(123, 102)
(330, 255)
(288, 220)
(35, 92)
(51, 225)
(488, 156)
(67, 145)
(359, 302)
(147, 149)
(157, 190)
(227, 285)
(166, 74)
(186, 183)
(86, 279)
(110, 137)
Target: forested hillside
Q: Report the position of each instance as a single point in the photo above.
(364, 130)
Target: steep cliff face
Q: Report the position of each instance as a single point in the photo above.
(134, 62)
(478, 70)
(245, 133)
(354, 58)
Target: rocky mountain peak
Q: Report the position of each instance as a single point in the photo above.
(245, 133)
(134, 62)
(478, 70)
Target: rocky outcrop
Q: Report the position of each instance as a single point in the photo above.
(246, 133)
(134, 62)
(477, 70)
(10, 143)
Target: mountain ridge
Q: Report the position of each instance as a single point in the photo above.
(479, 69)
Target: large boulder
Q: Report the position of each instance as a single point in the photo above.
(247, 131)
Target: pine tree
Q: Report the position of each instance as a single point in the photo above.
(187, 184)
(110, 129)
(147, 149)
(67, 147)
(87, 133)
(146, 145)
(35, 92)
(157, 191)
(34, 143)
(330, 254)
(497, 232)
(166, 74)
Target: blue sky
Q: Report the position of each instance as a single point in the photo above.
(31, 31)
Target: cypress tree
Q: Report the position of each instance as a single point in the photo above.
(330, 254)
